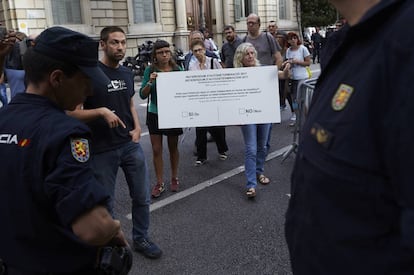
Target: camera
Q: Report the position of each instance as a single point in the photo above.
(114, 260)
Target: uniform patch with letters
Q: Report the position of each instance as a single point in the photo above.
(341, 97)
(80, 149)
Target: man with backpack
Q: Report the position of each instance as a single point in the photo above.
(266, 46)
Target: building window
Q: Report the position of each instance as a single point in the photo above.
(243, 8)
(143, 11)
(66, 12)
(284, 10)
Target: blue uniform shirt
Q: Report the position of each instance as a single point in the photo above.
(352, 204)
(46, 183)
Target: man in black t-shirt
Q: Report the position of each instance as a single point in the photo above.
(110, 113)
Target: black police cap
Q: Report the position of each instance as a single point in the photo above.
(72, 47)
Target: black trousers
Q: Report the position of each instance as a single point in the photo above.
(316, 52)
(219, 135)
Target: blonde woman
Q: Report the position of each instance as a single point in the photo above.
(255, 135)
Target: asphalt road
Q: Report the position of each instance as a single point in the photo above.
(210, 227)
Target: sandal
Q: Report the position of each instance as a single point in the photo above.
(262, 179)
(251, 193)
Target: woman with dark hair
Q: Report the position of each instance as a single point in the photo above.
(298, 57)
(162, 61)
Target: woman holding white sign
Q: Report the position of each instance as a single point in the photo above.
(204, 62)
(254, 135)
(161, 62)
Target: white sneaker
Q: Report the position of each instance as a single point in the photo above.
(293, 117)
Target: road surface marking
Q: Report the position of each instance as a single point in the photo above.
(210, 182)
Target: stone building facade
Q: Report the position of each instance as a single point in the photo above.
(171, 20)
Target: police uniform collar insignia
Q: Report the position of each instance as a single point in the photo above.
(341, 97)
(321, 135)
(80, 149)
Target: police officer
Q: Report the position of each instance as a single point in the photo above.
(53, 212)
(352, 204)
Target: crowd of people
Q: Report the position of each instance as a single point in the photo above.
(71, 124)
(99, 123)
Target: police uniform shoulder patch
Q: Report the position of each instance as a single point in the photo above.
(80, 149)
(341, 97)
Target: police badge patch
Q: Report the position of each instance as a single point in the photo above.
(341, 97)
(80, 149)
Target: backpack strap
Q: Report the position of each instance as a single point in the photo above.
(268, 42)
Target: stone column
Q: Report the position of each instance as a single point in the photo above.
(226, 12)
(180, 15)
(218, 4)
(180, 38)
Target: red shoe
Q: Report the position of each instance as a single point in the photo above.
(157, 190)
(174, 185)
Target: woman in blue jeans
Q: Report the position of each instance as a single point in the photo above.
(254, 135)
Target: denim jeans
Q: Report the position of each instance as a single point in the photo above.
(3, 94)
(255, 137)
(130, 157)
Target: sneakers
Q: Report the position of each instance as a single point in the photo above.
(147, 248)
(174, 185)
(223, 156)
(157, 190)
(209, 137)
(293, 117)
(200, 162)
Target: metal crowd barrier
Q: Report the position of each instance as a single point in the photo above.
(304, 98)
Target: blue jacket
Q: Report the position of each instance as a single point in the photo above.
(352, 197)
(46, 183)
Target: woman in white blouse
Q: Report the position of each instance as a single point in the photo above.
(204, 62)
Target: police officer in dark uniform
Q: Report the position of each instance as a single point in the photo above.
(53, 212)
(352, 204)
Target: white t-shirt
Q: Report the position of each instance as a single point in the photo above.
(298, 72)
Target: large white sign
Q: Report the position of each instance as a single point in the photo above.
(248, 95)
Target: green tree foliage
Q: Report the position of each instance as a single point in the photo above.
(317, 13)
